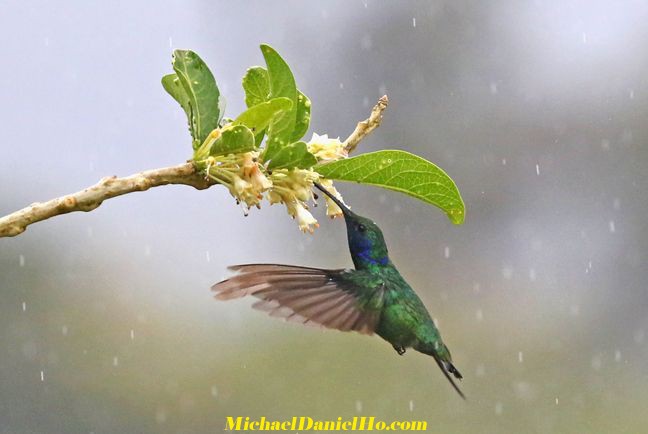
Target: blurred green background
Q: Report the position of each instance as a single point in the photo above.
(537, 109)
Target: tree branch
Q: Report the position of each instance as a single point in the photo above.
(367, 126)
(90, 198)
(109, 187)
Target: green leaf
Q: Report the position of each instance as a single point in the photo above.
(206, 106)
(258, 117)
(256, 85)
(234, 139)
(282, 84)
(302, 117)
(291, 156)
(404, 172)
(172, 85)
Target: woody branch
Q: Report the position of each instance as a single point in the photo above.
(92, 197)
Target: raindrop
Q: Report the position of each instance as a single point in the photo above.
(532, 274)
(538, 169)
(556, 400)
(596, 363)
(64, 330)
(21, 260)
(503, 161)
(115, 361)
(411, 405)
(358, 406)
(170, 42)
(366, 43)
(214, 391)
(617, 356)
(574, 310)
(414, 22)
(605, 144)
(24, 306)
(493, 88)
(520, 357)
(446, 252)
(612, 226)
(476, 288)
(499, 408)
(479, 315)
(341, 85)
(207, 257)
(584, 38)
(132, 334)
(639, 336)
(631, 94)
(42, 376)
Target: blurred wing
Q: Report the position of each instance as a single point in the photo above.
(336, 299)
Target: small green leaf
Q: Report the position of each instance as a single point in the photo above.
(291, 156)
(206, 105)
(404, 172)
(172, 85)
(256, 85)
(234, 139)
(258, 117)
(302, 117)
(282, 84)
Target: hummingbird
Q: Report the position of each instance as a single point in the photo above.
(371, 298)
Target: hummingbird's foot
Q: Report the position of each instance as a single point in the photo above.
(399, 350)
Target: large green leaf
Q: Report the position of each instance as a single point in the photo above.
(206, 105)
(295, 155)
(256, 85)
(302, 120)
(282, 84)
(258, 117)
(404, 172)
(172, 85)
(234, 139)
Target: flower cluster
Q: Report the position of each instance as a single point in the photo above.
(248, 180)
(326, 149)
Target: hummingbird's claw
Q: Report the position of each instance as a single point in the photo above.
(399, 350)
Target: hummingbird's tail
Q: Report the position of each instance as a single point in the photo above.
(443, 359)
(448, 368)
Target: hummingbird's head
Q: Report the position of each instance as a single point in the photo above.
(366, 240)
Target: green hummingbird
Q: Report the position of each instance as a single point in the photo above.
(372, 298)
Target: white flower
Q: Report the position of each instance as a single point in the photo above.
(240, 186)
(274, 197)
(332, 209)
(304, 218)
(326, 149)
(259, 181)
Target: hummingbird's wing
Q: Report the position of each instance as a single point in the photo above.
(337, 299)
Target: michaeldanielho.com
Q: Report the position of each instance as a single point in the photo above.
(306, 423)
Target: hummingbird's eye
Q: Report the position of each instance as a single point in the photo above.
(361, 227)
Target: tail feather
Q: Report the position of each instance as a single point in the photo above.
(448, 368)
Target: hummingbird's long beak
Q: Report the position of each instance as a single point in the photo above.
(345, 209)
